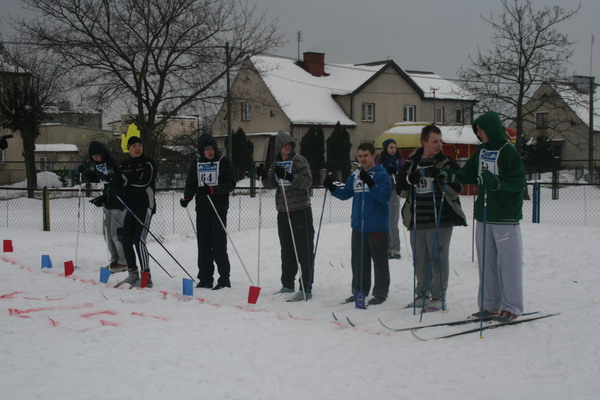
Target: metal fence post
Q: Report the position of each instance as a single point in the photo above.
(46, 208)
(535, 215)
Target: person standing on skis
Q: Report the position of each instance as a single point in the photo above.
(106, 166)
(135, 186)
(211, 176)
(370, 188)
(498, 170)
(430, 241)
(291, 173)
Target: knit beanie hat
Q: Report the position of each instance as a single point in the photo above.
(132, 140)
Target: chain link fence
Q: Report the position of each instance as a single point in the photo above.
(70, 210)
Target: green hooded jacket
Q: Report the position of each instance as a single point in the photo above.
(505, 202)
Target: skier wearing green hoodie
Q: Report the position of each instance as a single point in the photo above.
(498, 170)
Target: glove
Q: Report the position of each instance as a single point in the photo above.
(433, 172)
(80, 169)
(90, 176)
(206, 190)
(261, 171)
(414, 177)
(184, 202)
(283, 174)
(328, 184)
(488, 180)
(445, 175)
(392, 170)
(99, 201)
(366, 178)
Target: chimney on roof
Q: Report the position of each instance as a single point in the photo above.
(315, 63)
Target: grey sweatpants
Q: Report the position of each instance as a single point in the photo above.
(433, 274)
(503, 272)
(394, 211)
(113, 232)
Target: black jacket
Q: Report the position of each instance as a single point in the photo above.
(136, 182)
(104, 171)
(225, 183)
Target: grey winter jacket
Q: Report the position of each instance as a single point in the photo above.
(296, 191)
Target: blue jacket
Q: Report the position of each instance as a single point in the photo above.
(376, 213)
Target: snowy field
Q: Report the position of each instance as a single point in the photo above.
(72, 338)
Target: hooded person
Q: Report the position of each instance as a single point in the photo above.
(105, 168)
(391, 160)
(135, 186)
(291, 176)
(210, 179)
(498, 170)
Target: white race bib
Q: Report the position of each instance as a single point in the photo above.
(488, 159)
(102, 168)
(208, 173)
(359, 185)
(425, 185)
(287, 165)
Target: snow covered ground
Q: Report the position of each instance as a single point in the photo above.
(73, 338)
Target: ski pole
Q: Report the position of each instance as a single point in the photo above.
(439, 250)
(260, 190)
(287, 210)
(230, 239)
(437, 214)
(78, 218)
(320, 222)
(359, 297)
(155, 238)
(150, 255)
(483, 262)
(192, 223)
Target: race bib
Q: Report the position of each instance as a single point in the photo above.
(208, 173)
(488, 159)
(425, 185)
(287, 165)
(102, 168)
(359, 185)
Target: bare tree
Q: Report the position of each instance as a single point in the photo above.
(527, 50)
(25, 92)
(160, 56)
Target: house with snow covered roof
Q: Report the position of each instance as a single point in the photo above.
(562, 113)
(272, 93)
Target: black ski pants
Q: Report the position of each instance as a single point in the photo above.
(304, 233)
(134, 236)
(212, 248)
(374, 247)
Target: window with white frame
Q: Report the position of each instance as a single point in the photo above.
(246, 111)
(409, 113)
(460, 116)
(439, 115)
(542, 120)
(367, 112)
(45, 164)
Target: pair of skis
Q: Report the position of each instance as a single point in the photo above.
(490, 324)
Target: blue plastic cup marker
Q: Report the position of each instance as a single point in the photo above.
(188, 287)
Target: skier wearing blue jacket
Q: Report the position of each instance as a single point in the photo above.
(369, 187)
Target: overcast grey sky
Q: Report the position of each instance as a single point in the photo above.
(433, 35)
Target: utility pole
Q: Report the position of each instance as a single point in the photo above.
(591, 132)
(229, 133)
(299, 40)
(433, 90)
